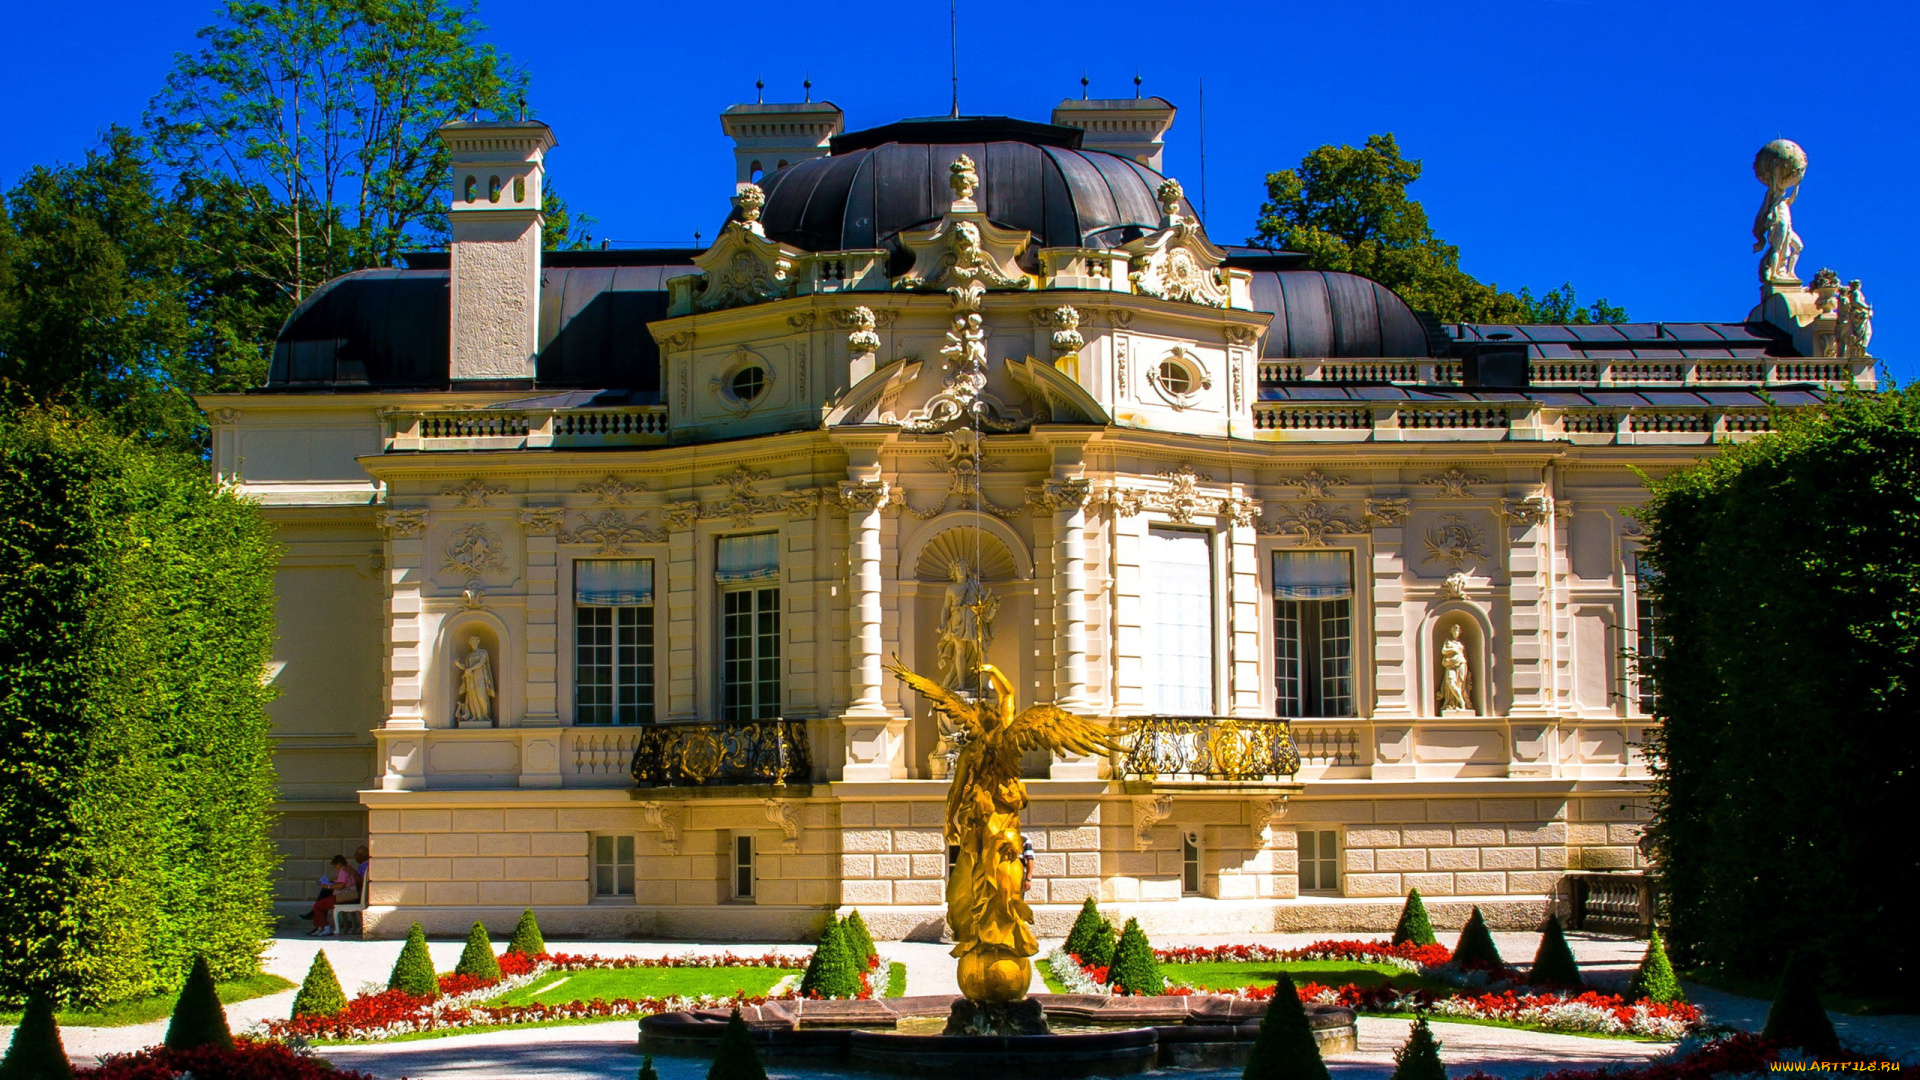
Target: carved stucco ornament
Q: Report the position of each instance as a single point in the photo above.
(1314, 484)
(965, 248)
(963, 400)
(1066, 330)
(473, 551)
(1177, 261)
(612, 532)
(1454, 540)
(543, 520)
(862, 337)
(474, 493)
(1312, 523)
(785, 813)
(742, 266)
(1148, 811)
(1453, 483)
(670, 820)
(1529, 511)
(403, 524)
(612, 491)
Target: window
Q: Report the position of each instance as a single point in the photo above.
(1320, 861)
(743, 866)
(1179, 622)
(613, 866)
(1190, 876)
(747, 383)
(613, 641)
(748, 571)
(1646, 626)
(1313, 633)
(1175, 378)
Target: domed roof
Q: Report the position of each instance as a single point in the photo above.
(880, 182)
(1334, 315)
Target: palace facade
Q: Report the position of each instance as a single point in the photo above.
(592, 559)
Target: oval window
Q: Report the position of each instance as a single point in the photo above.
(1175, 378)
(748, 383)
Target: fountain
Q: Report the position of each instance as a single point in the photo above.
(995, 1028)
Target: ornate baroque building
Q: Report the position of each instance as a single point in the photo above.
(593, 558)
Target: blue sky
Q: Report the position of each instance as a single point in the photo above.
(1605, 143)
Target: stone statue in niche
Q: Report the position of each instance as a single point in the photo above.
(1456, 681)
(966, 627)
(476, 697)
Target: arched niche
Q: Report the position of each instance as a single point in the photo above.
(925, 555)
(452, 647)
(1476, 633)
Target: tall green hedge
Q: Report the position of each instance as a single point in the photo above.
(136, 622)
(1789, 586)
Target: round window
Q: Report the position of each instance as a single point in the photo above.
(1175, 378)
(748, 383)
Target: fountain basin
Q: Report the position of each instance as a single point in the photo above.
(1104, 1035)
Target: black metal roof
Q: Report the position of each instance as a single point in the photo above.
(1637, 341)
(1559, 399)
(1325, 313)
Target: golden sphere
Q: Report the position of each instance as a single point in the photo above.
(990, 974)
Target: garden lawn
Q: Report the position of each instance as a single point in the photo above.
(1228, 974)
(160, 1006)
(611, 984)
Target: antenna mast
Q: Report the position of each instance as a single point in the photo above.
(1203, 151)
(953, 39)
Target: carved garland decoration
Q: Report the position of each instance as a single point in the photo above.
(1453, 540)
(1453, 483)
(473, 551)
(613, 532)
(474, 493)
(404, 524)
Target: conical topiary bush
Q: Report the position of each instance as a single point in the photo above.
(1419, 1057)
(735, 1058)
(477, 958)
(1085, 925)
(320, 993)
(1476, 948)
(646, 1069)
(831, 972)
(1134, 970)
(859, 939)
(1797, 1018)
(198, 1018)
(1655, 980)
(527, 940)
(36, 1052)
(1285, 1048)
(1100, 945)
(1414, 926)
(413, 971)
(1553, 964)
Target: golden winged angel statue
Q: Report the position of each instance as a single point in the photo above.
(992, 924)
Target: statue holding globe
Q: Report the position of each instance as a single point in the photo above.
(1780, 165)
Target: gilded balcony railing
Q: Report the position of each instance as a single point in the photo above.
(722, 754)
(1231, 749)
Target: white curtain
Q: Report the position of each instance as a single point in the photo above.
(613, 582)
(754, 557)
(1179, 622)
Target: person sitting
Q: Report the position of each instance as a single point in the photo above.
(346, 890)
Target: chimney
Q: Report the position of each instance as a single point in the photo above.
(768, 136)
(1130, 127)
(498, 174)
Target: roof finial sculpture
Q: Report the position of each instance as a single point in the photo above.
(963, 179)
(1780, 165)
(1170, 194)
(750, 200)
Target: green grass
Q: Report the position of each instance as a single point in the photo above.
(1046, 976)
(160, 1006)
(1228, 974)
(1482, 1022)
(609, 984)
(896, 980)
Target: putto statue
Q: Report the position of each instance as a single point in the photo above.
(1780, 165)
(1456, 682)
(992, 924)
(475, 705)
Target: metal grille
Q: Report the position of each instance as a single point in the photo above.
(716, 755)
(1208, 748)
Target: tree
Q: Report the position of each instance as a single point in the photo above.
(1560, 306)
(527, 939)
(136, 777)
(198, 1017)
(1475, 947)
(413, 969)
(1285, 1048)
(1134, 969)
(1654, 978)
(1419, 1057)
(735, 1058)
(832, 972)
(36, 1052)
(1553, 963)
(320, 993)
(1796, 1017)
(1788, 580)
(477, 958)
(1347, 209)
(1414, 926)
(859, 940)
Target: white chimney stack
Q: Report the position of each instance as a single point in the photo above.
(1130, 127)
(498, 178)
(769, 136)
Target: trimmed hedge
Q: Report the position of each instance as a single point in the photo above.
(1414, 926)
(1553, 962)
(1654, 978)
(1285, 1048)
(1797, 1018)
(647, 1071)
(1419, 1057)
(320, 993)
(527, 939)
(831, 973)
(413, 969)
(1476, 947)
(477, 958)
(36, 1052)
(859, 940)
(1789, 589)
(1084, 925)
(1134, 968)
(136, 780)
(735, 1058)
(198, 1017)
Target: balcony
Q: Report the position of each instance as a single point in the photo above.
(1173, 753)
(724, 754)
(525, 429)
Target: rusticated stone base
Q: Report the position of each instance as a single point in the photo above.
(1022, 1017)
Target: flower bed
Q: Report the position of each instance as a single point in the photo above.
(388, 1014)
(1735, 1057)
(1480, 994)
(246, 1060)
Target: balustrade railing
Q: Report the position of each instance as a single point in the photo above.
(490, 429)
(1217, 748)
(1622, 903)
(1327, 745)
(748, 752)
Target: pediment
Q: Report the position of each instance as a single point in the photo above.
(965, 250)
(744, 267)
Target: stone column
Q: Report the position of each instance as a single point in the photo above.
(1068, 499)
(873, 732)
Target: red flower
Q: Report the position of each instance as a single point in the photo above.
(246, 1060)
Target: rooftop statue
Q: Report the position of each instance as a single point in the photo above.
(992, 924)
(1780, 165)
